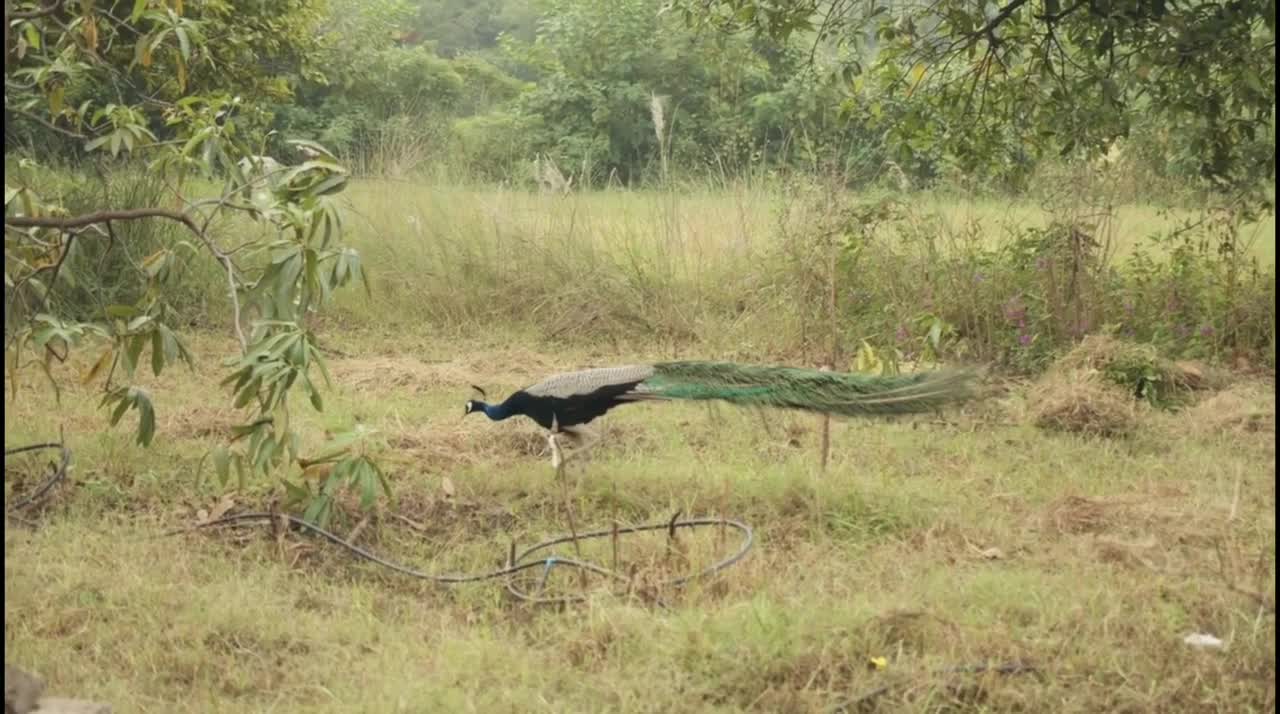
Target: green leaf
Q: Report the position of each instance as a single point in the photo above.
(133, 351)
(95, 143)
(295, 494)
(382, 478)
(157, 352)
(222, 464)
(313, 146)
(184, 43)
(146, 417)
(312, 393)
(121, 311)
(241, 477)
(32, 35)
(368, 485)
(315, 512)
(122, 406)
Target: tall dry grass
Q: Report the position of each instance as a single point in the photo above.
(733, 269)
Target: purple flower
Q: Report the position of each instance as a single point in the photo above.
(1206, 331)
(1024, 339)
(979, 277)
(1129, 307)
(903, 334)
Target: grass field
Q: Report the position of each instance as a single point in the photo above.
(933, 543)
(471, 257)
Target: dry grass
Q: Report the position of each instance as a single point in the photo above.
(691, 265)
(1098, 352)
(1082, 402)
(1247, 407)
(928, 544)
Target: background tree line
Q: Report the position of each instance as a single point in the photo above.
(621, 91)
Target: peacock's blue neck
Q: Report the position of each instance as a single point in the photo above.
(497, 412)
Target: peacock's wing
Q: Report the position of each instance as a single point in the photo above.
(590, 381)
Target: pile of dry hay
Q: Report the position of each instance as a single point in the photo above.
(1137, 367)
(1080, 401)
(1101, 387)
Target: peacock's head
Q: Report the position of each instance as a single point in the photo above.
(474, 405)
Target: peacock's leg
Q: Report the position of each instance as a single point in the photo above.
(557, 456)
(557, 462)
(583, 439)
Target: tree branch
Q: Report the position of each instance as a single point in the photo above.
(1053, 19)
(988, 30)
(134, 214)
(88, 219)
(47, 124)
(48, 9)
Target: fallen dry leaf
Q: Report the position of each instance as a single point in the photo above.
(224, 504)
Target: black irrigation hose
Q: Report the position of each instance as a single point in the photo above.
(56, 476)
(517, 562)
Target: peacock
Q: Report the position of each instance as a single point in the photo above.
(565, 403)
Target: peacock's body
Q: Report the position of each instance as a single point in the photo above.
(564, 401)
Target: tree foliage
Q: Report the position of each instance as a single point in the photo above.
(727, 104)
(1061, 75)
(173, 85)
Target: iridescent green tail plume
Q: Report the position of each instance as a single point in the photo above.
(808, 389)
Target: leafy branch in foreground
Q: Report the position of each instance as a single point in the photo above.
(172, 117)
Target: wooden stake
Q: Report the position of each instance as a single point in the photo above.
(834, 353)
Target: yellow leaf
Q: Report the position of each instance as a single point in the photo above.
(91, 31)
(152, 263)
(177, 6)
(867, 360)
(917, 76)
(317, 471)
(877, 662)
(55, 99)
(146, 53)
(100, 365)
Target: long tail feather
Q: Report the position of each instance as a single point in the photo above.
(807, 389)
